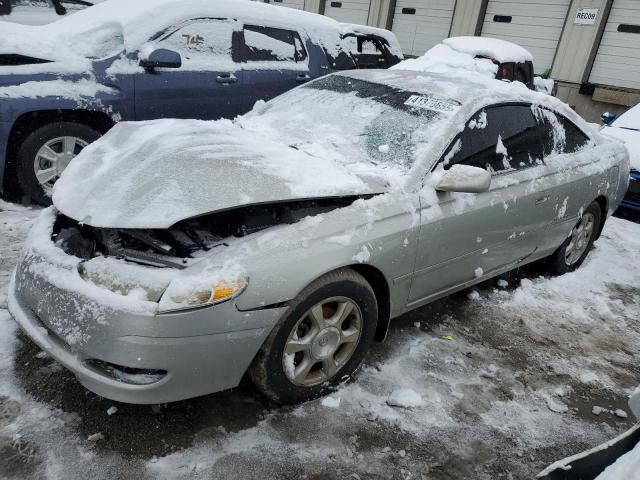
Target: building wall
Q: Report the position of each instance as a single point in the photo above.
(579, 43)
(467, 17)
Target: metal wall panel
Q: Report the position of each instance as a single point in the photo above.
(421, 24)
(465, 18)
(297, 4)
(617, 62)
(536, 25)
(348, 11)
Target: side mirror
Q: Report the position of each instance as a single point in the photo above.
(464, 179)
(608, 118)
(161, 58)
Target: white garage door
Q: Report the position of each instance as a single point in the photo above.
(298, 4)
(617, 62)
(536, 25)
(348, 11)
(421, 24)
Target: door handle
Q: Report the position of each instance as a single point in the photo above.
(541, 200)
(226, 78)
(303, 77)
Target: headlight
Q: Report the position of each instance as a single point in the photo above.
(184, 297)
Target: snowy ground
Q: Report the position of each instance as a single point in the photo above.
(508, 379)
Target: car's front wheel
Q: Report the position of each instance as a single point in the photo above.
(321, 340)
(46, 152)
(576, 247)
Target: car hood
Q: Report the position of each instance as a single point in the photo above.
(154, 174)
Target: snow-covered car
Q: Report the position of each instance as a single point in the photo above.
(180, 254)
(490, 57)
(63, 85)
(40, 12)
(627, 128)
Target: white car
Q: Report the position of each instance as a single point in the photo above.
(627, 128)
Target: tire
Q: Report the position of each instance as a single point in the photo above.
(278, 381)
(572, 253)
(53, 134)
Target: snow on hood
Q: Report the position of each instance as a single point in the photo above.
(631, 139)
(115, 25)
(459, 53)
(156, 173)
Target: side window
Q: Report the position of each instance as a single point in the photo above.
(367, 52)
(562, 135)
(271, 45)
(201, 41)
(499, 139)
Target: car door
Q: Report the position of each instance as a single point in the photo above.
(273, 60)
(571, 181)
(466, 237)
(205, 86)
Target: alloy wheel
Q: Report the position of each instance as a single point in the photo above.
(53, 157)
(579, 239)
(322, 341)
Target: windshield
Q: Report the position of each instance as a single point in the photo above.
(372, 121)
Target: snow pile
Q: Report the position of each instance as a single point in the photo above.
(467, 54)
(443, 59)
(626, 467)
(182, 168)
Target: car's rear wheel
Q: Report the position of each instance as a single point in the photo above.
(320, 342)
(46, 152)
(576, 247)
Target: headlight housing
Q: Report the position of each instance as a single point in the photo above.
(189, 295)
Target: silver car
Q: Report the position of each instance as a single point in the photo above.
(181, 255)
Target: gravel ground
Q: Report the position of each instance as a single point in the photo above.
(509, 375)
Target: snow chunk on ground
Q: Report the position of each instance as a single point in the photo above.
(330, 402)
(405, 398)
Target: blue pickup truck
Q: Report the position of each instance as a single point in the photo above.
(65, 84)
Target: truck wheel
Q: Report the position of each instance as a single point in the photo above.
(320, 341)
(46, 152)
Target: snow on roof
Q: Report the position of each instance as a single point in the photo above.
(460, 54)
(501, 50)
(101, 29)
(390, 37)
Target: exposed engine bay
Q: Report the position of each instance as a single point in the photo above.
(189, 238)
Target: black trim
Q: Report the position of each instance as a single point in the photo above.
(587, 89)
(286, 303)
(628, 28)
(502, 18)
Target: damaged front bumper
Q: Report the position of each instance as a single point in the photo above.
(128, 351)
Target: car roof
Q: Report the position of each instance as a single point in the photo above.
(135, 22)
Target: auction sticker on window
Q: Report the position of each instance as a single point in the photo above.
(430, 102)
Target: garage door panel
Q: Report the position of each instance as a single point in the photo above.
(535, 25)
(297, 4)
(421, 24)
(617, 62)
(348, 11)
